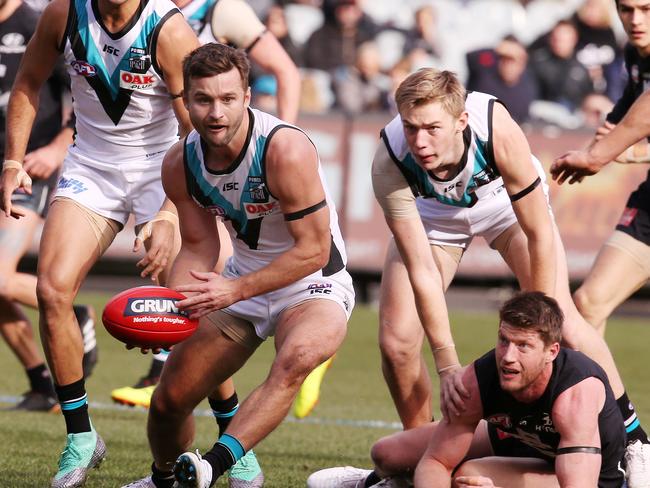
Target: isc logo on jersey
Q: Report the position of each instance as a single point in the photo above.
(137, 82)
(142, 306)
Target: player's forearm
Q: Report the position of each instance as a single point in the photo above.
(21, 113)
(631, 129)
(288, 94)
(289, 267)
(431, 474)
(190, 259)
(542, 263)
(432, 311)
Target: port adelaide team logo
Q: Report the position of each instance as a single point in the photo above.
(138, 76)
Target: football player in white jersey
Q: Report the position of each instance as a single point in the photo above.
(124, 58)
(477, 176)
(286, 278)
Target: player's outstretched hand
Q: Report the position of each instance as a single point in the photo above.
(13, 178)
(212, 292)
(467, 481)
(160, 237)
(452, 392)
(574, 166)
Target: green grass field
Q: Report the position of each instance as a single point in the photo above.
(339, 431)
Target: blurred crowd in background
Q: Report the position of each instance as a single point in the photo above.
(558, 61)
(555, 61)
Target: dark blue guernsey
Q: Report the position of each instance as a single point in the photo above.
(531, 424)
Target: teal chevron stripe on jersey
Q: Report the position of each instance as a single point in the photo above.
(211, 193)
(112, 81)
(92, 55)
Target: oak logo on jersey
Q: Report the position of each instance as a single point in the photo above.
(257, 210)
(83, 68)
(137, 81)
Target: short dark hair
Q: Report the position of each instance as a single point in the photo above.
(535, 311)
(214, 59)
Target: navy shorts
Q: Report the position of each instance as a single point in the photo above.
(635, 220)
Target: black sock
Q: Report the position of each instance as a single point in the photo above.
(223, 455)
(40, 380)
(74, 405)
(155, 370)
(81, 312)
(162, 479)
(224, 411)
(632, 425)
(371, 480)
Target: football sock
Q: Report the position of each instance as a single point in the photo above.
(40, 380)
(633, 427)
(155, 370)
(74, 405)
(223, 455)
(87, 333)
(162, 479)
(371, 480)
(224, 411)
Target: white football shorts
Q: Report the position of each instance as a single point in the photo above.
(492, 214)
(113, 191)
(263, 310)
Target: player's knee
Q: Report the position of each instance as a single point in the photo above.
(381, 453)
(168, 402)
(53, 293)
(468, 468)
(396, 352)
(590, 305)
(289, 372)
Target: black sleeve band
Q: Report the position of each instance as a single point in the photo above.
(257, 39)
(526, 190)
(301, 213)
(577, 449)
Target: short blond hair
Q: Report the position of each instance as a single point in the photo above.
(428, 85)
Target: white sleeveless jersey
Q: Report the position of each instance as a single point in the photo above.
(240, 196)
(120, 99)
(479, 174)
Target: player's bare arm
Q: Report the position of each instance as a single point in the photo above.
(292, 175)
(451, 439)
(514, 161)
(200, 243)
(36, 66)
(574, 166)
(176, 40)
(398, 202)
(271, 56)
(577, 464)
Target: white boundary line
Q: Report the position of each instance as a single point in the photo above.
(368, 424)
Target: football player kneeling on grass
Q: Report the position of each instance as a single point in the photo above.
(539, 415)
